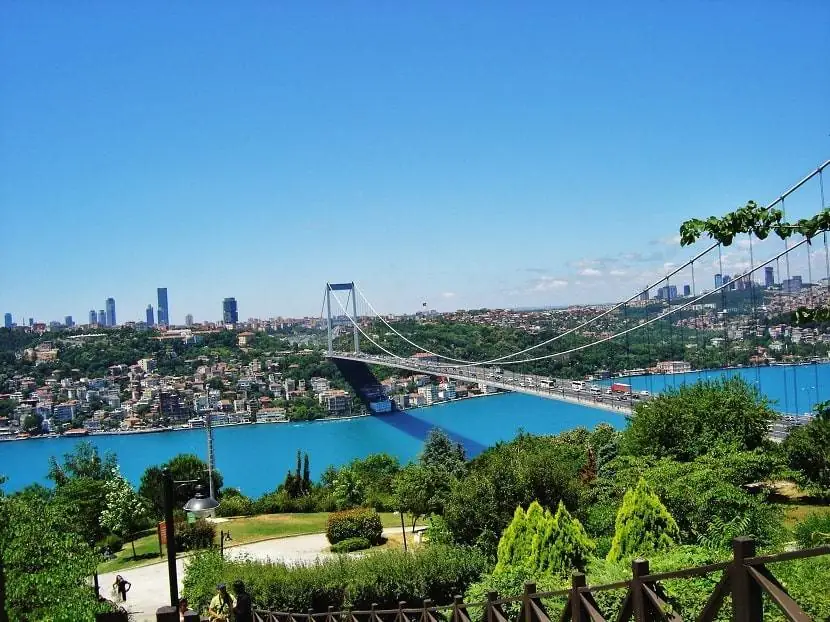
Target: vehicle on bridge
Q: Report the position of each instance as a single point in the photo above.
(621, 388)
(577, 385)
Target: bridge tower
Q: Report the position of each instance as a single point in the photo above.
(336, 287)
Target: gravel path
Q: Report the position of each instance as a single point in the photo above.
(150, 586)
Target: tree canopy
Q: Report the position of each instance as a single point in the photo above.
(183, 467)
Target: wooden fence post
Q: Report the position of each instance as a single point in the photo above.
(329, 614)
(577, 581)
(530, 588)
(747, 601)
(639, 568)
(456, 608)
(491, 598)
(401, 617)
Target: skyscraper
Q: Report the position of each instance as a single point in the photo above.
(7, 320)
(687, 290)
(188, 320)
(769, 276)
(110, 311)
(150, 320)
(163, 312)
(93, 317)
(102, 318)
(718, 280)
(229, 312)
(68, 322)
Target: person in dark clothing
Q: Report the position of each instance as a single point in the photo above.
(243, 609)
(122, 586)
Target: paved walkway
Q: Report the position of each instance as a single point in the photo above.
(150, 588)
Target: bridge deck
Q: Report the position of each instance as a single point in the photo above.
(508, 381)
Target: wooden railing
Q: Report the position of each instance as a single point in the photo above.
(745, 578)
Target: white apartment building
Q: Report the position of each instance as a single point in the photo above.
(429, 393)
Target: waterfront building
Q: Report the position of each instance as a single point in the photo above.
(7, 320)
(769, 276)
(429, 393)
(110, 305)
(163, 312)
(319, 385)
(93, 317)
(188, 320)
(336, 402)
(102, 317)
(149, 315)
(673, 367)
(381, 406)
(270, 415)
(230, 315)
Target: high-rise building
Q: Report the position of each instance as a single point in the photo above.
(150, 320)
(229, 312)
(102, 317)
(769, 276)
(669, 292)
(68, 322)
(687, 290)
(31, 321)
(793, 285)
(188, 320)
(110, 312)
(7, 320)
(718, 280)
(163, 313)
(93, 317)
(644, 295)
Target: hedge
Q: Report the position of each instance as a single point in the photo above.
(196, 535)
(357, 523)
(383, 577)
(350, 544)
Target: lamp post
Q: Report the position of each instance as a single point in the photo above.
(224, 536)
(201, 505)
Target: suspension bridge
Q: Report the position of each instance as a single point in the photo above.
(700, 320)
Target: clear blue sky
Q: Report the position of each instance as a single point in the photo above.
(465, 154)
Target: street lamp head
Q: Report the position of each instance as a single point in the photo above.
(201, 504)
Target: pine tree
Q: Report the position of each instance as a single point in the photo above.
(512, 539)
(643, 525)
(564, 545)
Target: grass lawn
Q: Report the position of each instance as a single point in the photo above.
(794, 514)
(243, 530)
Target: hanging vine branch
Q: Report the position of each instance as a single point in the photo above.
(751, 218)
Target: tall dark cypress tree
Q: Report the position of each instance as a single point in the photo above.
(298, 474)
(306, 475)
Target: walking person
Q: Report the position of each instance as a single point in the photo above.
(243, 609)
(221, 605)
(121, 587)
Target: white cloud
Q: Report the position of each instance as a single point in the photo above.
(448, 295)
(547, 283)
(590, 272)
(617, 273)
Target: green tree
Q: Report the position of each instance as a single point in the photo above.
(808, 449)
(643, 525)
(126, 511)
(413, 491)
(443, 455)
(83, 461)
(349, 490)
(515, 543)
(45, 563)
(563, 545)
(33, 423)
(687, 422)
(183, 467)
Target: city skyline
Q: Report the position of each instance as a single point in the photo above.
(548, 160)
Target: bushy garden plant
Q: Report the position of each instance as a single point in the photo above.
(355, 523)
(350, 544)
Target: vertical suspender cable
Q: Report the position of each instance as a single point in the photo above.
(671, 333)
(789, 309)
(723, 310)
(696, 322)
(754, 311)
(812, 306)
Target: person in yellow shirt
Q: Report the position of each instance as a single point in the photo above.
(221, 605)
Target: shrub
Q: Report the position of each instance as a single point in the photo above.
(643, 525)
(196, 535)
(350, 544)
(235, 505)
(814, 530)
(357, 523)
(382, 577)
(113, 542)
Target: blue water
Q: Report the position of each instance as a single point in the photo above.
(255, 458)
(792, 388)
